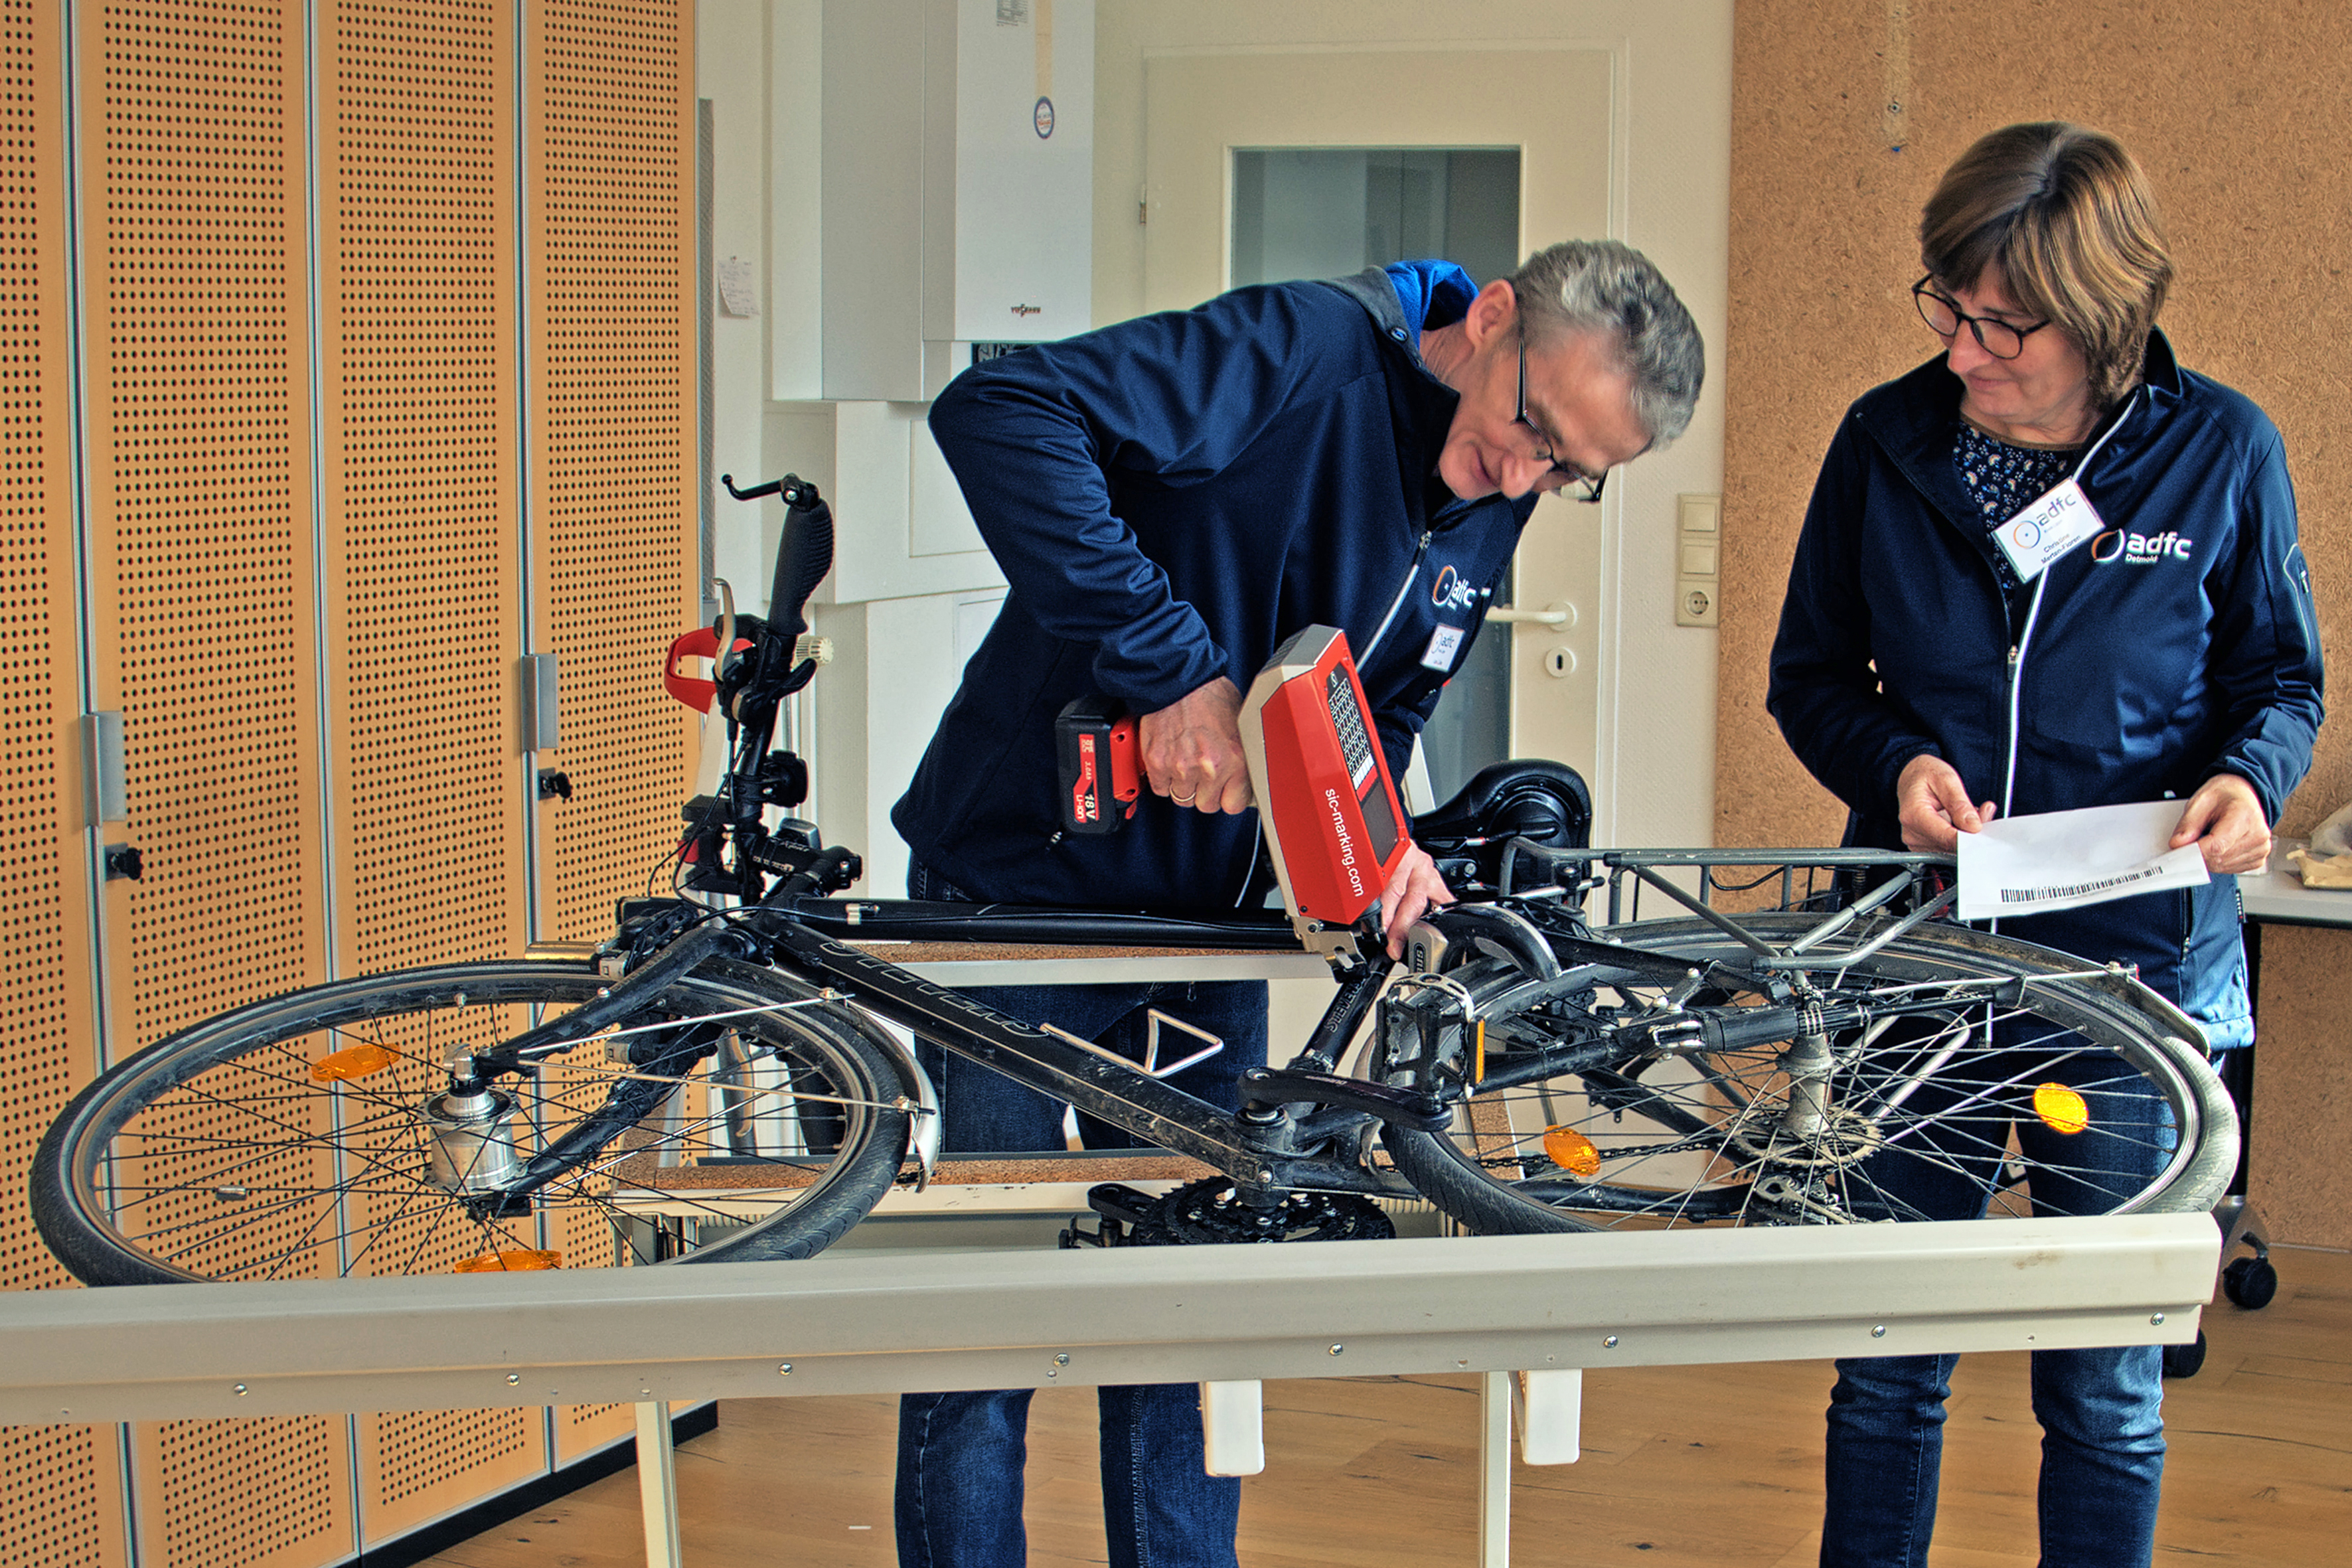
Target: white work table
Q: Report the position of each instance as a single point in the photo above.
(2275, 895)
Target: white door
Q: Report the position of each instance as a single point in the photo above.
(1564, 108)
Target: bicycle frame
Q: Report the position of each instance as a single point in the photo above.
(1301, 1126)
(1292, 1112)
(1261, 1151)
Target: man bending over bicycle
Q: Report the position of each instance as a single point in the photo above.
(1170, 498)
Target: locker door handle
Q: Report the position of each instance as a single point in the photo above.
(105, 775)
(541, 730)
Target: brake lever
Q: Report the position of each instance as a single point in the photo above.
(727, 654)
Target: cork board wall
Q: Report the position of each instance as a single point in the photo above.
(1843, 114)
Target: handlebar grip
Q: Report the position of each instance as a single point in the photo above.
(802, 559)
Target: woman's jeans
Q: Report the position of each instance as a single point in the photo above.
(961, 1455)
(2101, 1410)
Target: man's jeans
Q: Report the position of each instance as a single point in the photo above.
(961, 1455)
(2101, 1410)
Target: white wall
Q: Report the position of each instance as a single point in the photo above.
(905, 581)
(898, 660)
(732, 73)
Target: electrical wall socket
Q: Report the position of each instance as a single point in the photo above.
(1698, 560)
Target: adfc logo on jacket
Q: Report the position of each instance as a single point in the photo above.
(2140, 549)
(1452, 590)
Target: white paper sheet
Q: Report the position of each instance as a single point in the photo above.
(2065, 859)
(737, 295)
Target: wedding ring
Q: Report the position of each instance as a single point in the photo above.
(1181, 799)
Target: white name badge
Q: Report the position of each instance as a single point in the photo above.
(2043, 531)
(1443, 643)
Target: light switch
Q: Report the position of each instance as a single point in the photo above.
(1698, 538)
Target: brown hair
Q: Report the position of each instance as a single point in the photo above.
(2068, 217)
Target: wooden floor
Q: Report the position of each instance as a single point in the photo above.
(1705, 1466)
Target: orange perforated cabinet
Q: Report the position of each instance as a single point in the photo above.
(609, 299)
(204, 571)
(609, 303)
(61, 1504)
(421, 581)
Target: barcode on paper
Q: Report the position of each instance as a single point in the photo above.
(2077, 889)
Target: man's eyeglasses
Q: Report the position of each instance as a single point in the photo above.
(1580, 485)
(1943, 317)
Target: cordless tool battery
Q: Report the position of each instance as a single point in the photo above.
(1101, 766)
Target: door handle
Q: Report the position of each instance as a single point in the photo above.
(1561, 616)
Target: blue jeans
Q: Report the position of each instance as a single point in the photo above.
(958, 1502)
(2101, 1410)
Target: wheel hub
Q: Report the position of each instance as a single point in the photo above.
(472, 1150)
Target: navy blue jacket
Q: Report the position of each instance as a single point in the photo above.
(1170, 497)
(2178, 644)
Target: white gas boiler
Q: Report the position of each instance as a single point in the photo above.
(957, 177)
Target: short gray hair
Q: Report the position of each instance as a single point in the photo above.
(1599, 285)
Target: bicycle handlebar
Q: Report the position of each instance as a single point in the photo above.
(803, 558)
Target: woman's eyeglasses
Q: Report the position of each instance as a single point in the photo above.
(1944, 318)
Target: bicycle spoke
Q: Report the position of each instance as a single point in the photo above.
(229, 1154)
(1916, 1070)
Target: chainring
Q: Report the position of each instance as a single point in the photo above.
(1211, 1211)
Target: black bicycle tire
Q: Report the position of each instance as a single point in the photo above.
(1466, 1191)
(71, 1217)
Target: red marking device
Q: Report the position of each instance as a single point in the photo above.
(1333, 822)
(1101, 761)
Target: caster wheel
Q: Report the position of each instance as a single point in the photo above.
(2183, 1360)
(2250, 1282)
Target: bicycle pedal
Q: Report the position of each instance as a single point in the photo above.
(1128, 1218)
(1111, 1233)
(1118, 1201)
(1074, 1237)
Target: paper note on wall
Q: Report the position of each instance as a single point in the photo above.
(735, 295)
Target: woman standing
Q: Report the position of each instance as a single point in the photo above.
(1932, 678)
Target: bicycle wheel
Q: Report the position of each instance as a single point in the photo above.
(1949, 1074)
(315, 1134)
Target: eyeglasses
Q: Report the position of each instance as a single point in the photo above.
(1580, 486)
(1943, 317)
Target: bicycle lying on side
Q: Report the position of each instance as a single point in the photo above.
(717, 1081)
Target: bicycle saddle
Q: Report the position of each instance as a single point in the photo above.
(1529, 802)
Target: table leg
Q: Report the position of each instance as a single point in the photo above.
(657, 1485)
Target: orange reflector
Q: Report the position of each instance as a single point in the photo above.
(1478, 1069)
(1572, 1152)
(352, 1061)
(520, 1260)
(2060, 1108)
